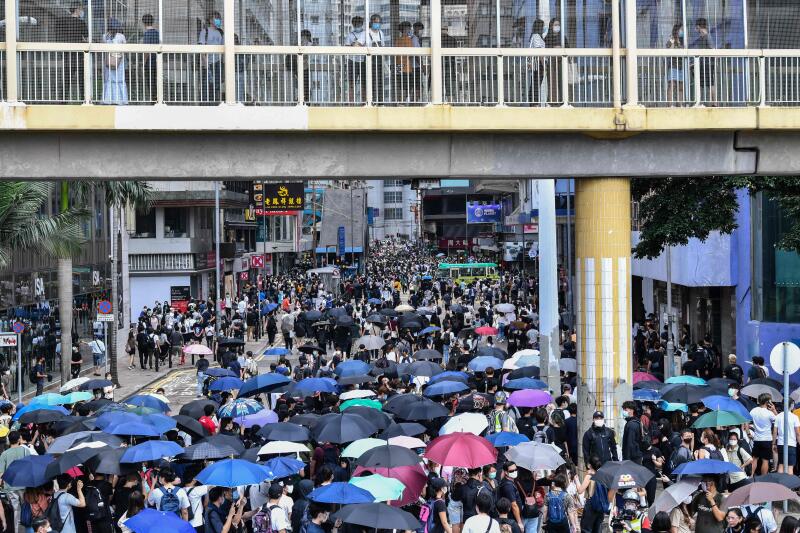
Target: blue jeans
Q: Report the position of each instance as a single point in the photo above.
(200, 379)
(531, 524)
(446, 353)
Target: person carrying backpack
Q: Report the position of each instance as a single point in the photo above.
(633, 436)
(271, 517)
(683, 453)
(558, 515)
(542, 432)
(167, 497)
(98, 504)
(433, 514)
(597, 505)
(60, 512)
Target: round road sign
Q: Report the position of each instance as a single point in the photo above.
(792, 357)
(18, 327)
(104, 307)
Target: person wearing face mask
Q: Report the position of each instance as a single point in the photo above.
(73, 29)
(733, 392)
(438, 507)
(707, 67)
(554, 39)
(739, 457)
(490, 478)
(211, 72)
(706, 507)
(633, 436)
(508, 489)
(375, 38)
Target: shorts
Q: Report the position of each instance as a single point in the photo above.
(455, 512)
(792, 455)
(762, 449)
(97, 358)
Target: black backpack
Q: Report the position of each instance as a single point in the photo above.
(53, 515)
(32, 375)
(96, 508)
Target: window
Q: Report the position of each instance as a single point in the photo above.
(393, 213)
(283, 228)
(314, 20)
(393, 183)
(206, 215)
(393, 197)
(145, 224)
(176, 222)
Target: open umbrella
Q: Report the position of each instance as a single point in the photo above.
(152, 521)
(486, 331)
(413, 477)
(62, 444)
(412, 443)
(49, 398)
(73, 384)
(622, 475)
(683, 393)
(754, 391)
(376, 319)
(672, 496)
(427, 331)
(278, 447)
(535, 456)
(233, 473)
(403, 308)
(370, 342)
(308, 420)
(415, 407)
(505, 308)
(282, 467)
(42, 414)
(494, 351)
(108, 462)
(230, 341)
(276, 351)
(93, 384)
(529, 398)
(787, 480)
(30, 471)
(689, 380)
(646, 395)
(377, 515)
(356, 448)
(449, 375)
(231, 440)
(77, 396)
(352, 367)
(151, 450)
(506, 438)
(473, 423)
(310, 347)
(220, 372)
(461, 449)
(194, 409)
(197, 349)
(240, 407)
(361, 402)
(355, 380)
(652, 385)
(756, 493)
(525, 372)
(725, 403)
(382, 488)
(388, 456)
(706, 466)
(481, 363)
(357, 393)
(285, 431)
(145, 400)
(226, 384)
(428, 355)
(309, 386)
(524, 383)
(261, 418)
(714, 419)
(419, 368)
(445, 388)
(340, 493)
(208, 450)
(407, 429)
(132, 429)
(341, 428)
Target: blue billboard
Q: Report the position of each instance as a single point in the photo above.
(478, 213)
(341, 241)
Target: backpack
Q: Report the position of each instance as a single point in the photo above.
(96, 508)
(151, 343)
(191, 507)
(32, 376)
(715, 454)
(679, 456)
(540, 435)
(598, 501)
(556, 510)
(262, 520)
(25, 514)
(169, 500)
(53, 515)
(426, 516)
(755, 513)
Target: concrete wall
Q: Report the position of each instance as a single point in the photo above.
(336, 212)
(145, 290)
(698, 264)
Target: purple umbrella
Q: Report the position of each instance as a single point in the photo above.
(261, 418)
(529, 398)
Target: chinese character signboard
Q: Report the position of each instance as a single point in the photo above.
(278, 197)
(483, 213)
(179, 296)
(340, 251)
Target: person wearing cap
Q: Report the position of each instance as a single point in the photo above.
(499, 418)
(438, 487)
(278, 519)
(599, 440)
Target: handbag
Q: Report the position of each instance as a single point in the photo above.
(531, 503)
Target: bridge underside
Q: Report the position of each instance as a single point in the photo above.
(215, 155)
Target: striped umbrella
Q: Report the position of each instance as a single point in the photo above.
(241, 407)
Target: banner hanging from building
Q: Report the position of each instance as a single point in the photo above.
(278, 197)
(483, 213)
(179, 296)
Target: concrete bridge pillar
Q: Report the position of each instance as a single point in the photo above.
(602, 296)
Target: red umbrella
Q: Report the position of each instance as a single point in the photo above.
(413, 477)
(644, 376)
(461, 449)
(486, 330)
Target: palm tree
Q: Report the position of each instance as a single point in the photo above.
(116, 194)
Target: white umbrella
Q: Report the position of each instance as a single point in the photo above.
(535, 456)
(568, 364)
(465, 423)
(371, 342)
(358, 393)
(403, 308)
(158, 396)
(411, 443)
(673, 496)
(505, 308)
(282, 446)
(73, 384)
(521, 353)
(521, 359)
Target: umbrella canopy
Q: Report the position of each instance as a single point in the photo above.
(233, 473)
(362, 402)
(226, 384)
(49, 398)
(108, 462)
(756, 493)
(482, 362)
(357, 448)
(132, 429)
(672, 496)
(341, 428)
(382, 488)
(62, 444)
(413, 407)
(402, 308)
(310, 386)
(230, 341)
(197, 349)
(652, 385)
(194, 409)
(473, 423)
(388, 456)
(725, 403)
(358, 393)
(376, 319)
(420, 368)
(352, 367)
(308, 420)
(689, 380)
(93, 384)
(152, 521)
(494, 351)
(535, 456)
(282, 467)
(41, 414)
(277, 351)
(622, 475)
(449, 375)
(428, 355)
(355, 380)
(787, 480)
(379, 419)
(370, 342)
(310, 347)
(208, 450)
(412, 443)
(261, 418)
(646, 395)
(413, 477)
(525, 372)
(377, 515)
(714, 419)
(461, 449)
(151, 450)
(505, 307)
(445, 388)
(683, 393)
(220, 373)
(77, 396)
(524, 383)
(285, 431)
(407, 429)
(754, 391)
(340, 493)
(73, 384)
(30, 471)
(281, 446)
(428, 331)
(506, 438)
(240, 407)
(706, 466)
(230, 440)
(529, 398)
(486, 331)
(145, 400)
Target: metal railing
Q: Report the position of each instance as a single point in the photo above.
(161, 262)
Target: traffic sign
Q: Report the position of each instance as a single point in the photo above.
(105, 318)
(18, 327)
(336, 274)
(792, 357)
(257, 261)
(104, 307)
(8, 340)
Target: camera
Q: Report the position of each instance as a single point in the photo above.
(49, 378)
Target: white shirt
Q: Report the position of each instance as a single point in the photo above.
(480, 524)
(763, 419)
(155, 496)
(765, 515)
(279, 520)
(195, 495)
(794, 423)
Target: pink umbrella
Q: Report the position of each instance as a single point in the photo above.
(644, 376)
(486, 330)
(197, 349)
(461, 449)
(529, 398)
(413, 477)
(261, 418)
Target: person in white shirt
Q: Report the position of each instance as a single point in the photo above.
(279, 519)
(482, 522)
(794, 436)
(167, 479)
(763, 436)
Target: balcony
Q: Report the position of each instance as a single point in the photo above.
(162, 262)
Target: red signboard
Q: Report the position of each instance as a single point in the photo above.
(244, 276)
(261, 213)
(257, 261)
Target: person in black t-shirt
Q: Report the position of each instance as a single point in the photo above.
(507, 522)
(73, 29)
(508, 490)
(438, 487)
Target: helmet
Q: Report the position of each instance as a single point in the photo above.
(631, 494)
(500, 397)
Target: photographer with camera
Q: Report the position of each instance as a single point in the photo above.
(706, 507)
(633, 515)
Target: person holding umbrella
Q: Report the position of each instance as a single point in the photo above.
(706, 507)
(633, 435)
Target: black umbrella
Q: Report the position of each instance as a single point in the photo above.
(230, 341)
(337, 311)
(251, 454)
(407, 429)
(195, 408)
(420, 368)
(388, 456)
(79, 456)
(476, 401)
(651, 385)
(285, 431)
(720, 383)
(355, 380)
(384, 367)
(96, 384)
(524, 372)
(787, 480)
(492, 352)
(73, 425)
(311, 348)
(341, 428)
(108, 462)
(62, 444)
(377, 515)
(94, 405)
(389, 312)
(684, 393)
(465, 332)
(769, 382)
(428, 355)
(308, 420)
(208, 450)
(344, 321)
(191, 426)
(458, 309)
(623, 475)
(380, 419)
(42, 416)
(418, 408)
(320, 324)
(376, 319)
(313, 315)
(230, 440)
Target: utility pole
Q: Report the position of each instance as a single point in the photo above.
(548, 286)
(217, 305)
(670, 366)
(314, 241)
(116, 308)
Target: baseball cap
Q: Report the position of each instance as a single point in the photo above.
(275, 490)
(598, 414)
(438, 483)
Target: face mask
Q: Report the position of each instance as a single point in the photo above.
(513, 475)
(733, 443)
(376, 26)
(599, 423)
(680, 34)
(731, 392)
(492, 475)
(218, 23)
(556, 28)
(626, 414)
(687, 441)
(289, 489)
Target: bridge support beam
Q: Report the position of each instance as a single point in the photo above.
(603, 298)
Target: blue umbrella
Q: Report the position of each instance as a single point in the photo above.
(375, 301)
(234, 473)
(669, 407)
(646, 395)
(429, 329)
(276, 351)
(506, 438)
(150, 450)
(341, 493)
(481, 363)
(145, 400)
(163, 423)
(525, 383)
(426, 278)
(449, 375)
(313, 385)
(48, 399)
(226, 384)
(220, 372)
(352, 367)
(240, 407)
(152, 521)
(689, 380)
(268, 308)
(30, 471)
(35, 407)
(110, 418)
(718, 402)
(284, 467)
(138, 429)
(445, 387)
(263, 383)
(706, 466)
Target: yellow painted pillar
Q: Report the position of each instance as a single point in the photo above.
(603, 298)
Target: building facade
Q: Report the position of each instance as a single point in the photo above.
(393, 207)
